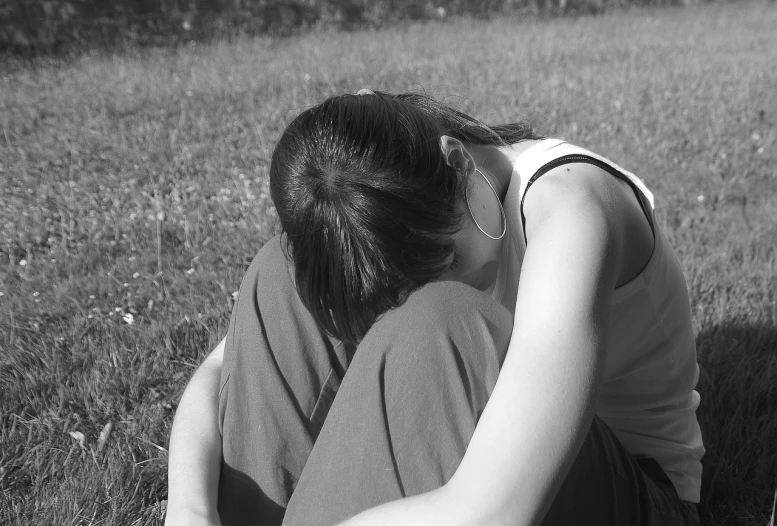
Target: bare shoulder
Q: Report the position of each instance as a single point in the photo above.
(585, 198)
(572, 189)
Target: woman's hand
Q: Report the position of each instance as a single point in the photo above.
(195, 448)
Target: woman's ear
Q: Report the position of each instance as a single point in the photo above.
(456, 154)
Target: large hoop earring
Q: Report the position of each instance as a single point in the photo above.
(501, 209)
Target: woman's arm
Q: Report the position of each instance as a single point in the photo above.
(195, 448)
(542, 406)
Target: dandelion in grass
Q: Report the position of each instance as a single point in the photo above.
(79, 437)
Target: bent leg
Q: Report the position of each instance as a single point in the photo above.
(279, 377)
(408, 405)
(401, 421)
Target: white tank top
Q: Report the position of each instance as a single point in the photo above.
(648, 395)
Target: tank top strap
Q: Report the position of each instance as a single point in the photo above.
(547, 154)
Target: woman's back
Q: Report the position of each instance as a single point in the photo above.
(647, 395)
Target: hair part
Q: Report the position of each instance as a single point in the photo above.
(367, 202)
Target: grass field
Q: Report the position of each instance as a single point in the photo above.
(134, 195)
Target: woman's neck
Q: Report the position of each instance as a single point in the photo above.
(493, 161)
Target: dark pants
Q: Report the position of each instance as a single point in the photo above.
(307, 444)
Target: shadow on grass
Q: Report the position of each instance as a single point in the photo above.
(738, 417)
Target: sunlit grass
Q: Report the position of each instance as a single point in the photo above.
(134, 190)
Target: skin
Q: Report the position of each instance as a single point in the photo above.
(587, 235)
(194, 465)
(477, 255)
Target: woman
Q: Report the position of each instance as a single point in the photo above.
(407, 227)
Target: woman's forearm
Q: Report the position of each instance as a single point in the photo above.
(435, 507)
(195, 448)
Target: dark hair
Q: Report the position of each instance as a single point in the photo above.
(367, 202)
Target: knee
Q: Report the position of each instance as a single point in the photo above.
(454, 304)
(272, 254)
(270, 275)
(450, 312)
(446, 334)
